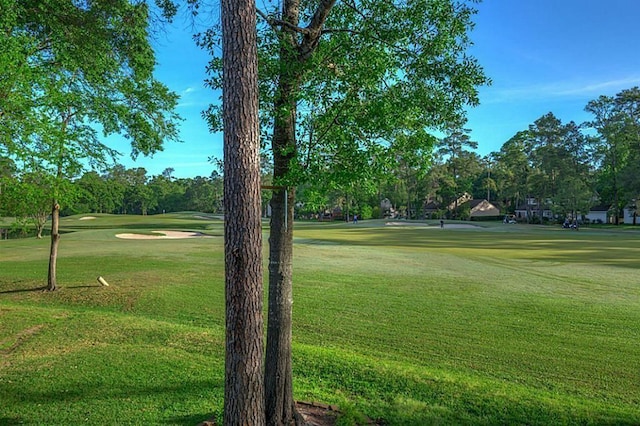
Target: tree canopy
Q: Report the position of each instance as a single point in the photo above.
(368, 76)
(66, 66)
(69, 69)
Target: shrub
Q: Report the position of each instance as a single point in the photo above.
(366, 212)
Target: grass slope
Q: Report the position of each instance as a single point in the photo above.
(501, 324)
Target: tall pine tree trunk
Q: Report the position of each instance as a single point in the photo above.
(52, 281)
(244, 386)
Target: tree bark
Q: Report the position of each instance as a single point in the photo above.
(280, 406)
(52, 281)
(244, 386)
(616, 200)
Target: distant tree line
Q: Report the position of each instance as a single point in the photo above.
(567, 167)
(133, 191)
(571, 167)
(118, 190)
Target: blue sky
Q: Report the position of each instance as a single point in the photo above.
(542, 56)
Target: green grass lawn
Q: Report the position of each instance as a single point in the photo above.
(498, 324)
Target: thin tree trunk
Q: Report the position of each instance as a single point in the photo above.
(279, 403)
(616, 201)
(52, 281)
(244, 386)
(346, 207)
(280, 406)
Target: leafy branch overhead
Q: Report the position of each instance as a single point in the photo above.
(368, 73)
(82, 64)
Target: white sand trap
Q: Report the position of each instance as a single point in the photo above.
(437, 226)
(87, 218)
(459, 226)
(163, 235)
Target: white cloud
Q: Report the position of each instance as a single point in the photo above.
(197, 96)
(602, 87)
(560, 89)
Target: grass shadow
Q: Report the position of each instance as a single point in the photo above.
(190, 419)
(10, 421)
(407, 398)
(24, 290)
(84, 395)
(539, 244)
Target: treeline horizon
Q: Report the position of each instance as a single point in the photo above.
(571, 167)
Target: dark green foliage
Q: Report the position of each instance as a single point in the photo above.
(380, 78)
(66, 65)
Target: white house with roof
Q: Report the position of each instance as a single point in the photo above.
(599, 214)
(629, 213)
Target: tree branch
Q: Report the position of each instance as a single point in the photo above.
(340, 30)
(320, 16)
(276, 23)
(311, 39)
(376, 36)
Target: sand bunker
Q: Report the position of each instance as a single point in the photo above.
(163, 235)
(446, 225)
(87, 218)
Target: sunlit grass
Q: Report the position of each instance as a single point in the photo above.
(413, 325)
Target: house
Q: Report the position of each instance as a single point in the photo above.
(599, 213)
(629, 213)
(431, 209)
(531, 209)
(387, 210)
(477, 207)
(482, 208)
(460, 201)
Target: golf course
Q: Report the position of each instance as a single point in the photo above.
(398, 323)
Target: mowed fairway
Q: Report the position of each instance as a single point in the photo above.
(412, 325)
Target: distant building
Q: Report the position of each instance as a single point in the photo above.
(387, 210)
(599, 213)
(431, 209)
(477, 207)
(460, 201)
(531, 209)
(629, 213)
(483, 208)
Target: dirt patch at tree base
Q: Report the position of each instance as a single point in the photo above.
(314, 414)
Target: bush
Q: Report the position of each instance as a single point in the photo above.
(376, 213)
(19, 229)
(366, 212)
